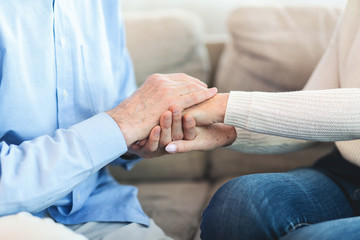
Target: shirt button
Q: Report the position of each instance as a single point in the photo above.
(62, 41)
(65, 94)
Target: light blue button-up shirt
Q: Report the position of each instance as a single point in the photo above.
(62, 64)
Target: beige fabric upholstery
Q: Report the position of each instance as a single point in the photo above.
(175, 206)
(274, 49)
(166, 42)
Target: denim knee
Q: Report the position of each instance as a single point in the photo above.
(268, 206)
(238, 210)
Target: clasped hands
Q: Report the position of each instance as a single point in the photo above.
(175, 112)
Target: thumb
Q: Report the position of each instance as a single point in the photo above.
(193, 98)
(181, 146)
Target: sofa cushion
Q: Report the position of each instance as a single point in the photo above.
(274, 49)
(166, 42)
(175, 206)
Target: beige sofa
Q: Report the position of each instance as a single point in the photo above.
(270, 49)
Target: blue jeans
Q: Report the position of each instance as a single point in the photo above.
(306, 203)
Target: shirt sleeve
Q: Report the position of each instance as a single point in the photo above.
(37, 173)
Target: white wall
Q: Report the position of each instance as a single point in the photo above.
(214, 12)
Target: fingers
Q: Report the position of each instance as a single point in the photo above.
(207, 138)
(142, 142)
(176, 128)
(138, 145)
(153, 142)
(193, 98)
(189, 125)
(181, 146)
(165, 124)
(182, 77)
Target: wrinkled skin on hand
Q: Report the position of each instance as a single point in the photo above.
(207, 138)
(172, 127)
(212, 132)
(138, 114)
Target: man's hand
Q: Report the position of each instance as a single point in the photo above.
(210, 111)
(208, 137)
(139, 113)
(172, 127)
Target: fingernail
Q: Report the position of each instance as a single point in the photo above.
(171, 148)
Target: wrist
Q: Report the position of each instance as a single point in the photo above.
(123, 124)
(223, 101)
(231, 136)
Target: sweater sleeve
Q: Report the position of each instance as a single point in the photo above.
(257, 143)
(320, 115)
(254, 140)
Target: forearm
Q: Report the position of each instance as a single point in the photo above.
(322, 115)
(37, 173)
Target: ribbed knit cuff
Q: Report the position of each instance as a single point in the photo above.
(238, 109)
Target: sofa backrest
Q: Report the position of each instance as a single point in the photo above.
(274, 48)
(271, 49)
(167, 42)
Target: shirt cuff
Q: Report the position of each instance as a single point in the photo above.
(103, 139)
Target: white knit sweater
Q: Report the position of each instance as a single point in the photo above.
(327, 110)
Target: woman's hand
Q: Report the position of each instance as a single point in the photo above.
(210, 111)
(172, 127)
(208, 137)
(212, 133)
